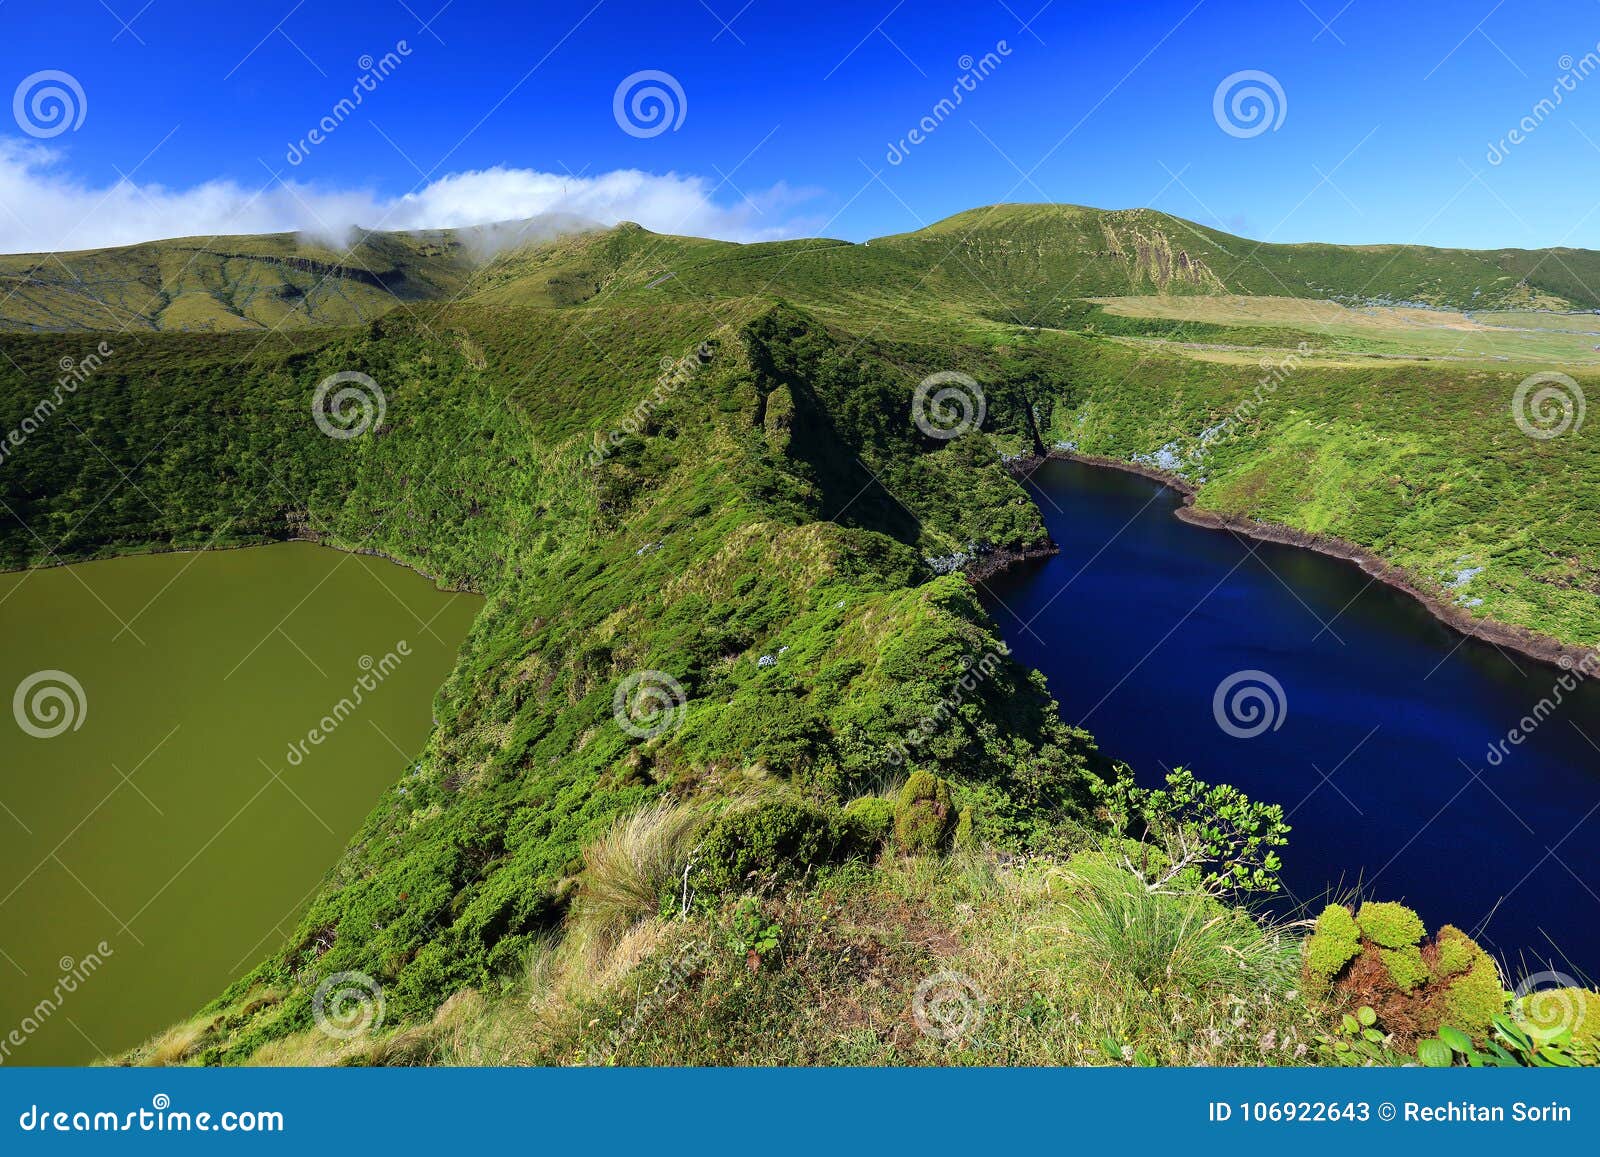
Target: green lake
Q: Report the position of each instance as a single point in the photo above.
(188, 742)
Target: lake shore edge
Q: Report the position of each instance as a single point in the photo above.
(146, 551)
(1540, 647)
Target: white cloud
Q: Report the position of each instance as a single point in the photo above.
(42, 209)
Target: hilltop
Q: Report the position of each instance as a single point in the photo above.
(1026, 264)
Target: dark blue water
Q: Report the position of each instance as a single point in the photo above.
(1380, 744)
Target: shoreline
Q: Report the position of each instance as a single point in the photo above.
(439, 584)
(1539, 647)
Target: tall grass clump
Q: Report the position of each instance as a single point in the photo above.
(633, 866)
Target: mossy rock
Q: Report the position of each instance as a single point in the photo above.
(1335, 942)
(924, 815)
(868, 822)
(1390, 925)
(775, 840)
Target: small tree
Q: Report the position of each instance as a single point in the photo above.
(1212, 834)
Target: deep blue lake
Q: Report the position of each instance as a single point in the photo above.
(1379, 748)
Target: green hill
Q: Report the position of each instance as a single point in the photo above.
(1020, 263)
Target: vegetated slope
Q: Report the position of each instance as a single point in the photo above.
(1024, 264)
(727, 497)
(745, 517)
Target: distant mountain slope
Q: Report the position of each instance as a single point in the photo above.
(1018, 263)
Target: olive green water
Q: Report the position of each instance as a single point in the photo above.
(166, 839)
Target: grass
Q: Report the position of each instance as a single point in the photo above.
(628, 871)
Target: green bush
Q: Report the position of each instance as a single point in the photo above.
(868, 822)
(759, 846)
(924, 815)
(1390, 925)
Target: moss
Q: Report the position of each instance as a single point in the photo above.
(1457, 952)
(924, 815)
(1390, 925)
(1475, 999)
(963, 837)
(775, 840)
(868, 822)
(1549, 1011)
(1335, 943)
(1405, 967)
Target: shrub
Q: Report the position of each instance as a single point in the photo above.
(1390, 925)
(868, 822)
(924, 815)
(1214, 832)
(772, 841)
(628, 870)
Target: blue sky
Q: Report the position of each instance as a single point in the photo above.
(789, 109)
